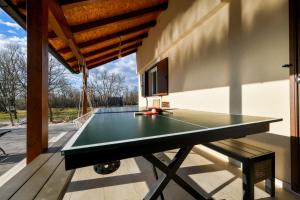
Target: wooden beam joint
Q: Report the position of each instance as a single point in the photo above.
(60, 26)
(120, 45)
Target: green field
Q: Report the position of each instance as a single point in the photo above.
(59, 114)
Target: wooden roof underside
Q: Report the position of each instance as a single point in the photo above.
(99, 31)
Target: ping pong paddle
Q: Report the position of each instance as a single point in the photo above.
(150, 113)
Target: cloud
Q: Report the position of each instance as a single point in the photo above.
(5, 40)
(11, 24)
(74, 79)
(12, 31)
(126, 64)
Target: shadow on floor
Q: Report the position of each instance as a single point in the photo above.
(209, 175)
(11, 158)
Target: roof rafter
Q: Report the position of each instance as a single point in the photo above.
(67, 2)
(110, 47)
(22, 3)
(114, 19)
(111, 59)
(112, 36)
(59, 24)
(114, 53)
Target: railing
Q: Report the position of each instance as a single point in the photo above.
(78, 122)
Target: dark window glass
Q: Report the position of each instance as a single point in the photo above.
(154, 73)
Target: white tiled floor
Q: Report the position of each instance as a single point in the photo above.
(135, 176)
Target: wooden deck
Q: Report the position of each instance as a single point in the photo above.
(217, 178)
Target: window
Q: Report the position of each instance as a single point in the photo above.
(154, 82)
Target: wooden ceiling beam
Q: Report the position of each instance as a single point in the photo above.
(116, 52)
(111, 36)
(114, 19)
(21, 4)
(118, 18)
(67, 2)
(59, 24)
(111, 59)
(110, 47)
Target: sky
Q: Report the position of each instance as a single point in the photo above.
(11, 32)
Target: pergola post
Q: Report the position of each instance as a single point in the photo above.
(37, 78)
(294, 18)
(84, 99)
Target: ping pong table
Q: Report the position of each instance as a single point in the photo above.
(117, 133)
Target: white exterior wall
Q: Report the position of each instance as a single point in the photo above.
(226, 56)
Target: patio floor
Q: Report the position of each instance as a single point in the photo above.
(213, 176)
(14, 143)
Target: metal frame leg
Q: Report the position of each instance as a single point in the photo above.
(156, 177)
(170, 174)
(2, 151)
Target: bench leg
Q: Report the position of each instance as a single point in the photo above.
(248, 182)
(270, 182)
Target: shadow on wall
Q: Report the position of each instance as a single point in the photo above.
(222, 49)
(213, 43)
(241, 56)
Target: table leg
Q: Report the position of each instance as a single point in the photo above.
(170, 174)
(156, 177)
(2, 151)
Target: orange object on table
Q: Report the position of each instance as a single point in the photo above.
(150, 113)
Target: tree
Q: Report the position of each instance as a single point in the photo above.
(105, 85)
(57, 82)
(131, 96)
(11, 56)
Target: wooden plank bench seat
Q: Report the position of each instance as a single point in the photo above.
(44, 178)
(258, 164)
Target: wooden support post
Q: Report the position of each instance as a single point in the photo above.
(84, 99)
(294, 9)
(37, 78)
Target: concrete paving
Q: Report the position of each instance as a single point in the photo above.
(14, 144)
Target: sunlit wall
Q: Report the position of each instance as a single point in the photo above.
(226, 56)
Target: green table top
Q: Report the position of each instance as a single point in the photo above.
(118, 109)
(117, 125)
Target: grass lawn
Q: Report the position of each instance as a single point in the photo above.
(64, 114)
(59, 114)
(4, 117)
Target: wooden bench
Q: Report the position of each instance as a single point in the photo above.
(44, 178)
(258, 164)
